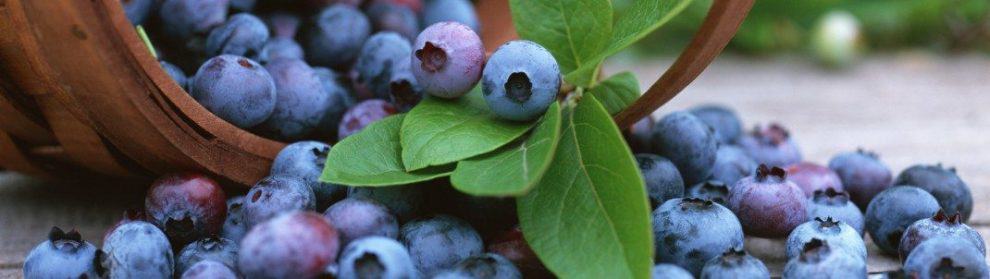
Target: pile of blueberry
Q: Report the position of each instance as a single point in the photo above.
(711, 184)
(325, 69)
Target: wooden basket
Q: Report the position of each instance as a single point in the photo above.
(80, 94)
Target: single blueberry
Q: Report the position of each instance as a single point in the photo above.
(767, 204)
(835, 204)
(728, 127)
(302, 100)
(448, 59)
(771, 145)
(376, 257)
(732, 164)
(235, 89)
(689, 232)
(212, 248)
(893, 210)
(183, 19)
(863, 175)
(274, 195)
(946, 257)
(186, 206)
(280, 48)
(461, 11)
(382, 55)
(520, 80)
(305, 160)
(63, 255)
(944, 184)
(940, 225)
(440, 242)
(837, 233)
(735, 263)
(297, 244)
(820, 259)
(357, 217)
(663, 181)
(138, 250)
(243, 34)
(393, 17)
(689, 143)
(337, 36)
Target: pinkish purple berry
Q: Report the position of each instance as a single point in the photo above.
(811, 177)
(292, 245)
(362, 115)
(361, 217)
(448, 59)
(771, 145)
(186, 206)
(767, 204)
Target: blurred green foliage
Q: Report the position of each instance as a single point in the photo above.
(776, 26)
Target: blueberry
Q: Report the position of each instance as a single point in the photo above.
(394, 17)
(663, 182)
(689, 143)
(376, 257)
(732, 164)
(63, 255)
(361, 217)
(820, 259)
(838, 234)
(735, 263)
(337, 36)
(448, 60)
(177, 74)
(811, 177)
(383, 54)
(138, 10)
(138, 250)
(767, 204)
(235, 89)
(243, 34)
(893, 210)
(406, 202)
(689, 232)
(835, 204)
(863, 175)
(305, 160)
(280, 48)
(274, 195)
(771, 145)
(209, 269)
(944, 184)
(520, 80)
(404, 91)
(341, 99)
(183, 19)
(301, 103)
(362, 115)
(669, 271)
(292, 245)
(283, 24)
(713, 190)
(234, 227)
(461, 11)
(728, 127)
(439, 242)
(639, 135)
(939, 225)
(513, 246)
(946, 257)
(212, 248)
(186, 206)
(488, 265)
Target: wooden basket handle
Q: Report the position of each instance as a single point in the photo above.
(721, 24)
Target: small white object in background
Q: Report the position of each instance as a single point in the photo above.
(836, 39)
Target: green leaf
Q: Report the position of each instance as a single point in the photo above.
(617, 92)
(514, 169)
(372, 158)
(574, 31)
(644, 17)
(439, 131)
(589, 215)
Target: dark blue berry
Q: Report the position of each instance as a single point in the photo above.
(301, 103)
(440, 242)
(639, 135)
(274, 195)
(280, 48)
(337, 36)
(137, 11)
(863, 175)
(771, 145)
(382, 55)
(283, 24)
(183, 19)
(393, 17)
(944, 184)
(242, 34)
(689, 143)
(341, 99)
(461, 11)
(138, 249)
(235, 89)
(893, 210)
(663, 181)
(732, 164)
(520, 80)
(689, 232)
(728, 127)
(305, 160)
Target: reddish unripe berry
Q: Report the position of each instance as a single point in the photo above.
(186, 206)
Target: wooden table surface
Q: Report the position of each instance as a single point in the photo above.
(911, 108)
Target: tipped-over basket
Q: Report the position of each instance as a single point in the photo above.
(80, 94)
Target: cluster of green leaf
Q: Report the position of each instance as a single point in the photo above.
(775, 26)
(580, 197)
